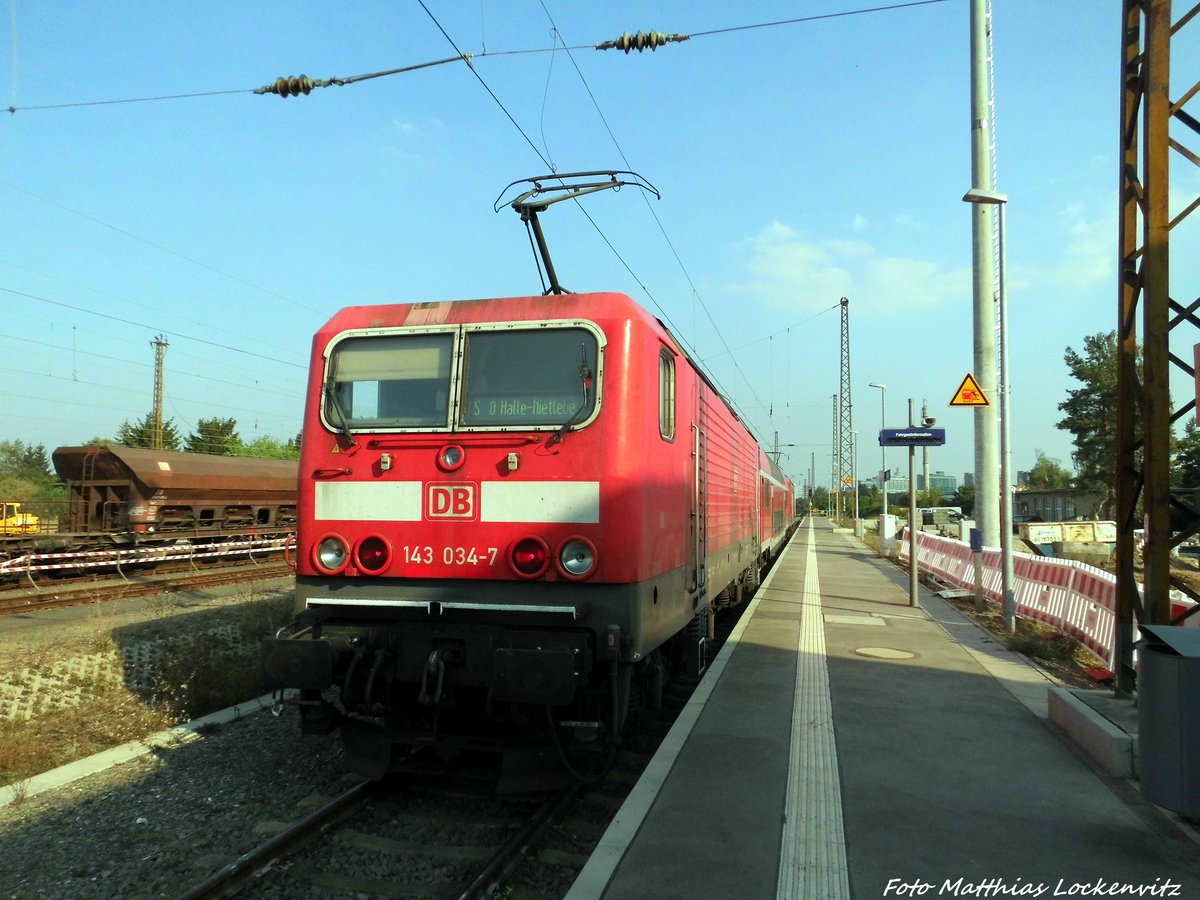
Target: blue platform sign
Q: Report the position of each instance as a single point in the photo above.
(912, 437)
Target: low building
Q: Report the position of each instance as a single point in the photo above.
(1056, 504)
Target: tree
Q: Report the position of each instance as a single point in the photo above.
(870, 499)
(964, 499)
(266, 448)
(1185, 470)
(25, 476)
(141, 434)
(216, 436)
(1088, 415)
(25, 461)
(1048, 473)
(930, 497)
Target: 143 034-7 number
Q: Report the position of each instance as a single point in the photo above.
(451, 556)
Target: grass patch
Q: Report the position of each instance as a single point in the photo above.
(205, 673)
(1039, 642)
(114, 717)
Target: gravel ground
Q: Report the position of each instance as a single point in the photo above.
(156, 825)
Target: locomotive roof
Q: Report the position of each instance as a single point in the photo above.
(167, 468)
(537, 308)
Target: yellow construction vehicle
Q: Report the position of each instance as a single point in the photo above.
(13, 521)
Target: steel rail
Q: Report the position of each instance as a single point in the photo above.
(19, 600)
(226, 879)
(514, 851)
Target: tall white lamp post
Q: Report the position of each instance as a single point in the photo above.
(1009, 606)
(854, 478)
(882, 449)
(883, 480)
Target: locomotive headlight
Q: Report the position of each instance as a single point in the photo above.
(529, 557)
(577, 558)
(372, 554)
(451, 457)
(331, 554)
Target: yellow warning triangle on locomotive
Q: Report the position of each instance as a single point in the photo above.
(969, 393)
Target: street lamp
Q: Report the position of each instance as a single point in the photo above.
(1008, 607)
(854, 478)
(882, 450)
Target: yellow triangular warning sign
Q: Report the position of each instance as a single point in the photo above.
(969, 393)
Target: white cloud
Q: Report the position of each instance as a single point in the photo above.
(848, 248)
(785, 270)
(1087, 254)
(897, 284)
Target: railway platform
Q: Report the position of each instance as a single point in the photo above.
(845, 744)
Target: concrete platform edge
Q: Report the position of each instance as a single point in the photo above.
(115, 756)
(593, 879)
(1104, 743)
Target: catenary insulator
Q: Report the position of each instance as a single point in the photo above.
(290, 87)
(641, 41)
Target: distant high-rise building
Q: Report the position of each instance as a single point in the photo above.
(947, 484)
(968, 479)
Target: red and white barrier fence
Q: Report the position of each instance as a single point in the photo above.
(1077, 599)
(117, 557)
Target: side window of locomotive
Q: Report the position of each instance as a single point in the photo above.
(666, 395)
(521, 378)
(391, 381)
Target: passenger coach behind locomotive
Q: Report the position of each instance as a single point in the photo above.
(513, 514)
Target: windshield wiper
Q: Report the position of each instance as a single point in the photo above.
(585, 377)
(343, 422)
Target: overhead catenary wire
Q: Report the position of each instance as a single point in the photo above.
(662, 229)
(626, 45)
(124, 301)
(157, 246)
(301, 85)
(541, 156)
(92, 312)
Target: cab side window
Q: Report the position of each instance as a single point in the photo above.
(666, 395)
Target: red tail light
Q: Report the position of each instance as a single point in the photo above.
(529, 557)
(372, 554)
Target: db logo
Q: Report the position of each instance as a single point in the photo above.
(450, 501)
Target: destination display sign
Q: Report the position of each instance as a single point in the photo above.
(912, 437)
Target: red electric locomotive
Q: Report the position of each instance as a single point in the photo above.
(514, 513)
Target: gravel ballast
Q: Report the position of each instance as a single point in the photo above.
(153, 826)
(152, 817)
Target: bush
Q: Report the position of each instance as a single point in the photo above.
(1042, 643)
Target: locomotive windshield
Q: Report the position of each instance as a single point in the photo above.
(528, 377)
(477, 377)
(398, 380)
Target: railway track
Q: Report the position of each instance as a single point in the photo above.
(50, 593)
(451, 835)
(436, 838)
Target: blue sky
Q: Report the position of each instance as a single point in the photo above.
(797, 164)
